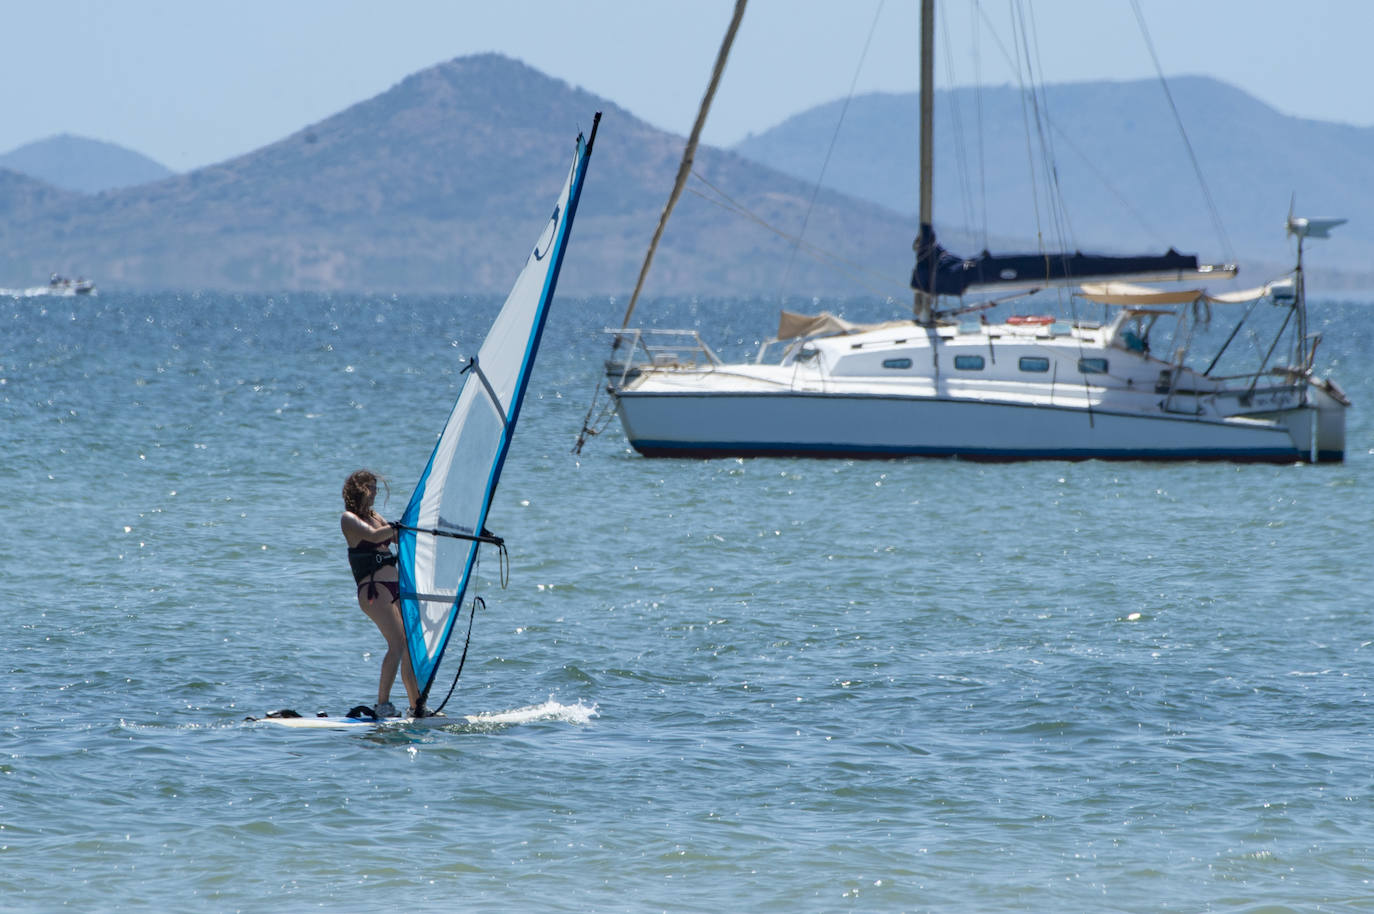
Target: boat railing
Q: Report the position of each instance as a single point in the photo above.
(1243, 387)
(794, 344)
(637, 349)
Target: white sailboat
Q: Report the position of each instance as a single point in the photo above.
(1025, 388)
(444, 524)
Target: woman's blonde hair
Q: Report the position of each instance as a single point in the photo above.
(355, 489)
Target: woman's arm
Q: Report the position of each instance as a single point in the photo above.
(373, 528)
(393, 535)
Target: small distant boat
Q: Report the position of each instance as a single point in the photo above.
(57, 285)
(62, 285)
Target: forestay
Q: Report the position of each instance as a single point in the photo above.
(443, 526)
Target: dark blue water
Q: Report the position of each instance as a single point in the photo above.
(764, 685)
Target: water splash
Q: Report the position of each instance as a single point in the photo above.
(549, 710)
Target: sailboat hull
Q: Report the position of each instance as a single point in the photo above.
(719, 424)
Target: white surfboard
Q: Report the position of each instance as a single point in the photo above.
(550, 710)
(355, 723)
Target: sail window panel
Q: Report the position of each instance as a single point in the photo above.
(969, 362)
(897, 364)
(1092, 366)
(1034, 363)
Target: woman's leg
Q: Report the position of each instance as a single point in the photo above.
(387, 617)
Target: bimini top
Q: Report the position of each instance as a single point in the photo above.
(792, 325)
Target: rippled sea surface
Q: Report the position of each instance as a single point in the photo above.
(760, 685)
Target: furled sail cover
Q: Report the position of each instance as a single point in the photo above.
(938, 272)
(455, 492)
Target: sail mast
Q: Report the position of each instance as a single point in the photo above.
(925, 298)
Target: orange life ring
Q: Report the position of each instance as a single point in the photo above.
(1031, 319)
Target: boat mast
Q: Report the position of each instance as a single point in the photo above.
(1303, 229)
(689, 152)
(924, 300)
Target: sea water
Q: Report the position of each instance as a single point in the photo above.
(726, 685)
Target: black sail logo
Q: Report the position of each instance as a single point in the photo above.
(541, 247)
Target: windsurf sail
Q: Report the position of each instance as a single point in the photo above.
(445, 522)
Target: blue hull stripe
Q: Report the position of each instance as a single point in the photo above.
(771, 449)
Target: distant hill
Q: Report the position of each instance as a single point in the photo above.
(441, 183)
(23, 198)
(1123, 170)
(84, 165)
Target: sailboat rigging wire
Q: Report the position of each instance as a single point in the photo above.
(834, 136)
(1059, 230)
(1187, 143)
(957, 128)
(1030, 154)
(1234, 330)
(688, 154)
(1278, 337)
(1107, 184)
(728, 203)
(1063, 224)
(978, 97)
(991, 28)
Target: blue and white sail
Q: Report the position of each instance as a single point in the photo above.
(444, 524)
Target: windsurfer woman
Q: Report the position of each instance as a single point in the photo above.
(374, 568)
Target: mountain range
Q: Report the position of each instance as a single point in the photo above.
(1124, 171)
(436, 185)
(440, 183)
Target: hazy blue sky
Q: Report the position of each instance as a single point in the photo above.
(190, 83)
